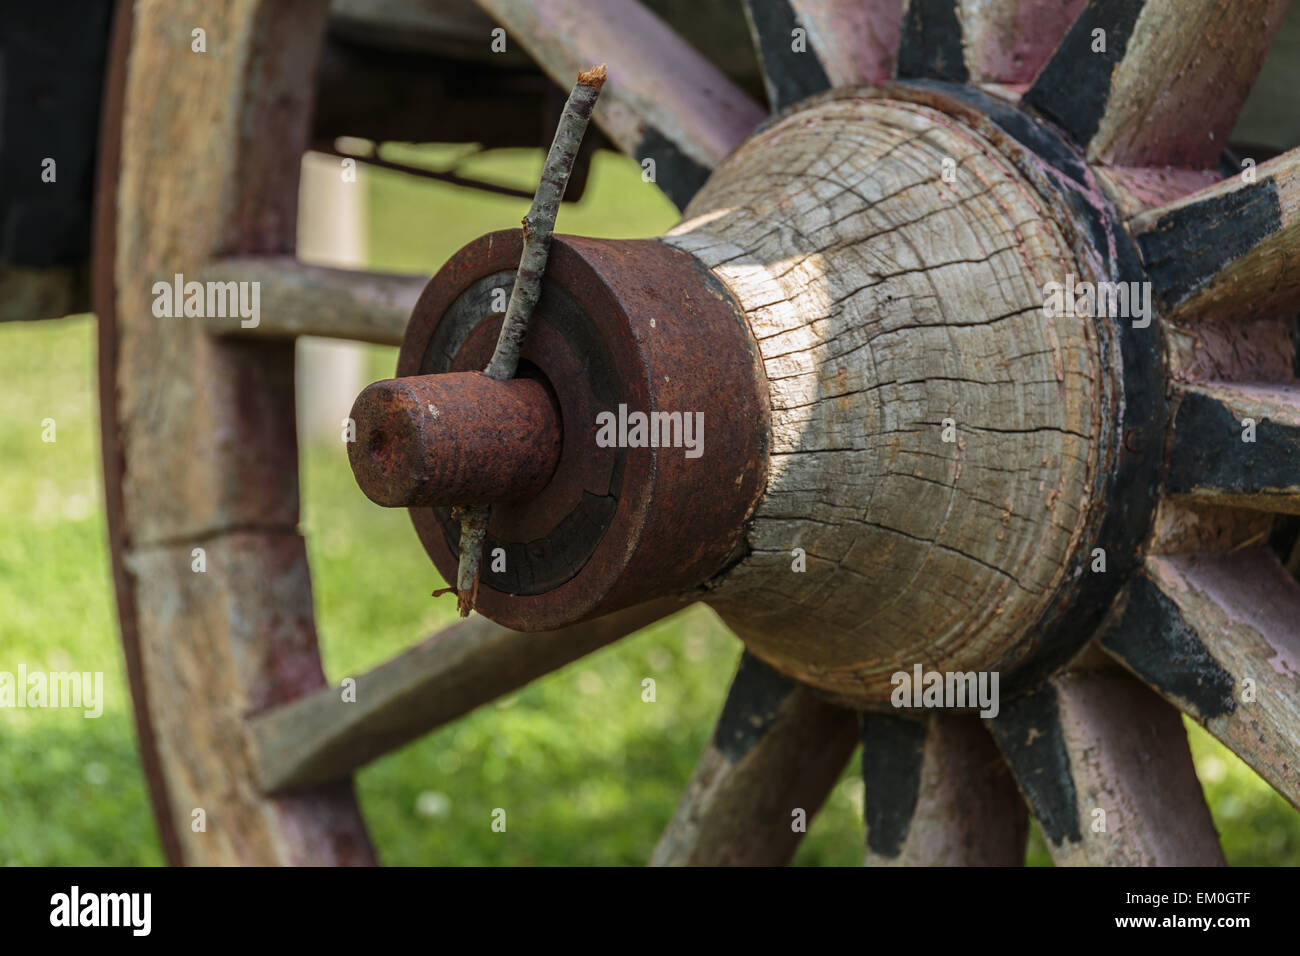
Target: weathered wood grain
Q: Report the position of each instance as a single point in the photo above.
(1211, 460)
(1230, 250)
(1185, 524)
(1135, 190)
(208, 165)
(777, 751)
(1217, 636)
(855, 40)
(320, 737)
(1248, 348)
(301, 299)
(937, 793)
(664, 100)
(1168, 85)
(885, 301)
(220, 646)
(1104, 766)
(1008, 41)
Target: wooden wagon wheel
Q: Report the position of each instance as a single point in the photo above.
(910, 463)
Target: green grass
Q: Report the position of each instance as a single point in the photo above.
(586, 771)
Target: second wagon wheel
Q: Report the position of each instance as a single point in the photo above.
(912, 462)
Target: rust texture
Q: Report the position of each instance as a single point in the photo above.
(622, 326)
(455, 439)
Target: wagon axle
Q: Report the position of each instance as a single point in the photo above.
(460, 438)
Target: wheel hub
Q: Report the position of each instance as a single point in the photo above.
(905, 460)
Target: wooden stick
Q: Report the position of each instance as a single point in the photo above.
(539, 225)
(473, 530)
(669, 103)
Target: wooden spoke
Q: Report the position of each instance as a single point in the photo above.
(1008, 41)
(776, 753)
(995, 44)
(321, 737)
(300, 299)
(1216, 634)
(1105, 767)
(930, 42)
(1230, 250)
(937, 793)
(664, 101)
(1160, 92)
(844, 43)
(1238, 445)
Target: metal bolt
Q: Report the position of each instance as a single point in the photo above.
(487, 441)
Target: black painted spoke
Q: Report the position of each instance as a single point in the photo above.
(1104, 765)
(936, 793)
(776, 753)
(930, 42)
(1233, 249)
(1238, 445)
(1136, 82)
(792, 68)
(1217, 635)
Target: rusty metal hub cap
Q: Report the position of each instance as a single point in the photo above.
(627, 466)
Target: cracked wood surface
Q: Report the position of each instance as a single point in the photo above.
(922, 302)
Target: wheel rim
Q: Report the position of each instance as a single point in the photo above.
(1066, 708)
